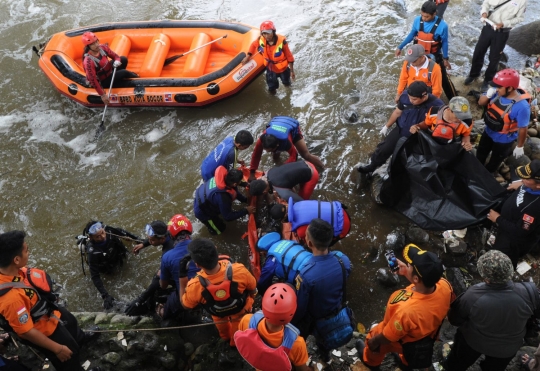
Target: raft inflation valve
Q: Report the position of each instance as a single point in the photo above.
(212, 88)
(73, 89)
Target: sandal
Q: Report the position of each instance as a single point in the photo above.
(160, 309)
(526, 362)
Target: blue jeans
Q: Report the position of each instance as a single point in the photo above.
(272, 78)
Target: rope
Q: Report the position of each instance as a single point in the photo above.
(167, 328)
(125, 237)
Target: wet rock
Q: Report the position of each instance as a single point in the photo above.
(167, 360)
(174, 344)
(513, 162)
(188, 349)
(200, 352)
(532, 132)
(135, 347)
(145, 322)
(387, 278)
(456, 278)
(351, 116)
(102, 318)
(377, 180)
(417, 235)
(456, 247)
(534, 145)
(151, 343)
(115, 345)
(112, 358)
(526, 39)
(395, 241)
(123, 320)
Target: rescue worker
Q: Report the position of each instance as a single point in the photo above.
(28, 308)
(518, 223)
(226, 154)
(180, 230)
(282, 134)
(491, 316)
(412, 108)
(267, 340)
(431, 31)
(299, 214)
(104, 253)
(441, 6)
(215, 197)
(506, 118)
(99, 68)
(282, 179)
(449, 123)
(278, 58)
(413, 315)
(157, 235)
(217, 279)
(320, 283)
(506, 15)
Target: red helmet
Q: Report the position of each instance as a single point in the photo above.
(179, 223)
(507, 78)
(268, 26)
(89, 38)
(279, 304)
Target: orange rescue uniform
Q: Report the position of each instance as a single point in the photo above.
(193, 295)
(16, 304)
(434, 116)
(279, 53)
(298, 354)
(410, 74)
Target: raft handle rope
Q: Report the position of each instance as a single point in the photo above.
(168, 328)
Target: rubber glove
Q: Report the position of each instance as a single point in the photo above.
(491, 92)
(183, 266)
(117, 64)
(108, 301)
(133, 308)
(518, 152)
(384, 131)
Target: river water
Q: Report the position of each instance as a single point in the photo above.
(54, 177)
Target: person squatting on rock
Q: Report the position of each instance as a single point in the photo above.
(226, 154)
(267, 340)
(320, 284)
(505, 14)
(278, 58)
(449, 123)
(224, 289)
(411, 110)
(28, 308)
(506, 118)
(157, 235)
(491, 316)
(518, 224)
(99, 68)
(413, 315)
(104, 253)
(282, 133)
(214, 198)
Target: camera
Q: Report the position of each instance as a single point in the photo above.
(392, 260)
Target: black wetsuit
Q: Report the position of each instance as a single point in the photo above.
(104, 258)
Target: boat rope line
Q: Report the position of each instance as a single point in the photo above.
(167, 328)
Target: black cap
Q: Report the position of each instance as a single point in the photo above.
(529, 171)
(426, 264)
(418, 89)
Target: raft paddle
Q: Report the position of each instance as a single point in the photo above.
(101, 127)
(175, 57)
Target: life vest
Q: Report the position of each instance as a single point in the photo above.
(283, 127)
(426, 38)
(223, 299)
(497, 115)
(258, 354)
(217, 158)
(101, 72)
(290, 256)
(444, 131)
(215, 185)
(42, 285)
(431, 65)
(303, 212)
(277, 62)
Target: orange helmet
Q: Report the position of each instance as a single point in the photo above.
(279, 304)
(179, 223)
(268, 26)
(89, 38)
(506, 78)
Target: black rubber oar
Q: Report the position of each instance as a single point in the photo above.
(101, 127)
(175, 57)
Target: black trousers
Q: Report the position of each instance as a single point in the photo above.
(385, 148)
(493, 40)
(441, 8)
(499, 151)
(462, 356)
(447, 85)
(121, 74)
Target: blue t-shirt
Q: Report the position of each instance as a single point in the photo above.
(170, 261)
(441, 34)
(521, 112)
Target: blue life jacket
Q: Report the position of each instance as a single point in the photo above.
(303, 212)
(290, 256)
(216, 158)
(282, 126)
(204, 193)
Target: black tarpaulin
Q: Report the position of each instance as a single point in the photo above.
(439, 186)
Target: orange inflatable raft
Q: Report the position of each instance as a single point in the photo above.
(198, 78)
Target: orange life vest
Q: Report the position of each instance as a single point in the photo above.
(220, 174)
(426, 38)
(444, 131)
(277, 61)
(497, 115)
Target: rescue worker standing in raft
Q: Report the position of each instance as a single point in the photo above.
(506, 118)
(431, 32)
(215, 197)
(99, 68)
(278, 59)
